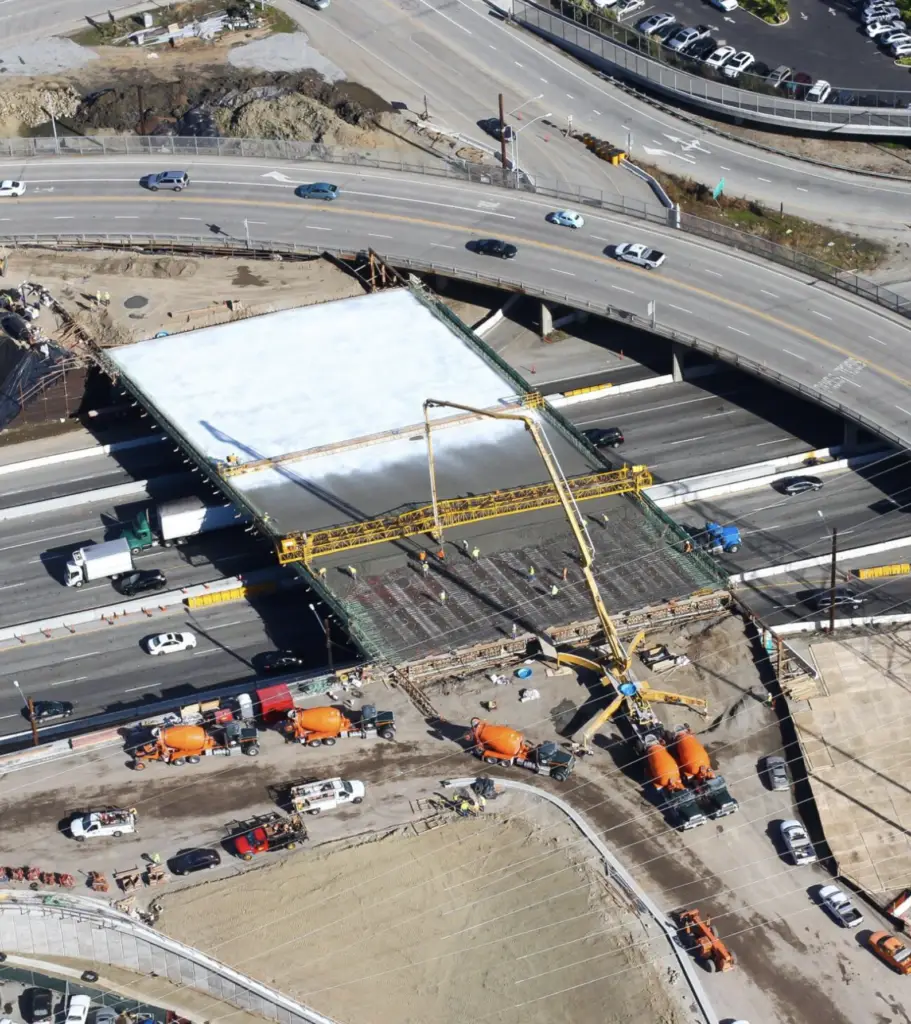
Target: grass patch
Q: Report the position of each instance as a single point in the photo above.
(773, 12)
(278, 21)
(838, 248)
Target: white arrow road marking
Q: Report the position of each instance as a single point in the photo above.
(283, 178)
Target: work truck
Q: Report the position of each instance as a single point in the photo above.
(95, 561)
(113, 821)
(315, 796)
(172, 522)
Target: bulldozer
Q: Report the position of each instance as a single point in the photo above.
(698, 935)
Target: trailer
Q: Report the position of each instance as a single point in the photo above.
(172, 522)
(316, 796)
(265, 833)
(95, 561)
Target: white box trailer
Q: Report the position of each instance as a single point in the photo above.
(187, 517)
(95, 561)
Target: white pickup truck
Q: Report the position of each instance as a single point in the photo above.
(111, 822)
(325, 794)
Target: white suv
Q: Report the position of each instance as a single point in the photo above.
(78, 1010)
(820, 92)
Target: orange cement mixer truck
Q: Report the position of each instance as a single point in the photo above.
(498, 744)
(323, 726)
(187, 744)
(663, 773)
(710, 788)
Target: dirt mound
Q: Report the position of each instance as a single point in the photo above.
(31, 107)
(293, 117)
(129, 267)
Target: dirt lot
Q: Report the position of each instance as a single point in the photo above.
(163, 293)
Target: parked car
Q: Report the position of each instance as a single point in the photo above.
(39, 1004)
(318, 190)
(842, 597)
(495, 247)
(655, 21)
(12, 188)
(725, 5)
(176, 181)
(78, 1010)
(759, 69)
(879, 12)
(799, 84)
(188, 861)
(795, 838)
(627, 7)
(881, 28)
(820, 92)
(720, 57)
(274, 662)
(44, 710)
(891, 951)
(840, 907)
(779, 76)
(140, 582)
(662, 33)
(567, 218)
(702, 48)
(891, 38)
(640, 255)
(168, 643)
(605, 437)
(799, 484)
(685, 37)
(738, 64)
(901, 48)
(776, 772)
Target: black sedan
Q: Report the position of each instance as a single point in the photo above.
(141, 581)
(799, 484)
(43, 710)
(495, 247)
(188, 861)
(39, 1004)
(491, 125)
(605, 437)
(275, 662)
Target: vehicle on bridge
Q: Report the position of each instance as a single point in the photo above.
(42, 710)
(604, 437)
(840, 597)
(169, 643)
(798, 485)
(318, 190)
(567, 218)
(96, 561)
(12, 188)
(174, 181)
(495, 247)
(639, 255)
(174, 521)
(714, 538)
(142, 581)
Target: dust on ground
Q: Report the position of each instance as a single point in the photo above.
(169, 293)
(503, 915)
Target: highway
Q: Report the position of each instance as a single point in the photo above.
(851, 352)
(458, 55)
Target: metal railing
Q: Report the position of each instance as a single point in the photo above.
(632, 56)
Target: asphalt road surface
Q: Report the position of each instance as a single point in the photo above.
(854, 353)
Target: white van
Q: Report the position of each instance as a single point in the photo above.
(78, 1010)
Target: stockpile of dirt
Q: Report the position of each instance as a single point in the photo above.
(463, 923)
(30, 106)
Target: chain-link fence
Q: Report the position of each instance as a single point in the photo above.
(620, 50)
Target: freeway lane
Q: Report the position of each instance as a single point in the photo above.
(850, 351)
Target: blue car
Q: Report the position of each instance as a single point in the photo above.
(567, 219)
(318, 190)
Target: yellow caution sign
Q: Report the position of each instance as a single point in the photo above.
(586, 391)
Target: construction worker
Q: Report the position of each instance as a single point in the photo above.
(98, 296)
(605, 518)
(475, 552)
(531, 572)
(554, 590)
(352, 572)
(565, 573)
(155, 858)
(687, 547)
(106, 299)
(322, 572)
(441, 554)
(465, 546)
(422, 557)
(425, 567)
(442, 597)
(515, 630)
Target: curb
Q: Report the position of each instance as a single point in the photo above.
(811, 563)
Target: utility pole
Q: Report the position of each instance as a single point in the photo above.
(502, 134)
(832, 580)
(326, 629)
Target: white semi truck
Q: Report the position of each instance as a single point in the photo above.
(174, 521)
(96, 561)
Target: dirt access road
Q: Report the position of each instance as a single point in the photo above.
(794, 965)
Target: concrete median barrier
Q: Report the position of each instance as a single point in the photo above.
(132, 489)
(80, 453)
(811, 563)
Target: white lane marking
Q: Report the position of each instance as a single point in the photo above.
(598, 112)
(442, 245)
(767, 292)
(126, 218)
(803, 359)
(211, 650)
(779, 440)
(799, 189)
(315, 227)
(224, 625)
(768, 181)
(12, 586)
(379, 236)
(598, 238)
(518, 65)
(737, 330)
(566, 272)
(681, 308)
(544, 80)
(816, 312)
(617, 288)
(901, 408)
(686, 440)
(725, 168)
(75, 679)
(64, 218)
(714, 273)
(88, 654)
(446, 16)
(491, 46)
(854, 382)
(189, 218)
(136, 689)
(878, 342)
(426, 202)
(712, 415)
(570, 96)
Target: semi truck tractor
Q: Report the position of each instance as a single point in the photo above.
(716, 539)
(323, 726)
(498, 744)
(96, 561)
(174, 521)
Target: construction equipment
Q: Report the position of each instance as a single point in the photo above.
(680, 804)
(156, 874)
(696, 767)
(95, 561)
(698, 935)
(498, 744)
(615, 671)
(267, 832)
(129, 880)
(188, 744)
(660, 659)
(323, 726)
(715, 538)
(316, 796)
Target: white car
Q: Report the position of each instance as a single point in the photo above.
(820, 92)
(901, 49)
(840, 907)
(881, 28)
(12, 188)
(725, 5)
(891, 38)
(737, 64)
(655, 21)
(639, 254)
(720, 57)
(567, 219)
(167, 643)
(685, 37)
(795, 837)
(78, 1010)
(626, 7)
(881, 12)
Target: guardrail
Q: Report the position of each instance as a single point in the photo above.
(636, 60)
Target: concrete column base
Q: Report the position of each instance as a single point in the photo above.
(678, 359)
(547, 320)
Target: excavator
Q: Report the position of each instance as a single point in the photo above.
(697, 933)
(615, 671)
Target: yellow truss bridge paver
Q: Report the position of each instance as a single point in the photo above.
(304, 547)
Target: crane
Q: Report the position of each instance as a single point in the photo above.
(616, 670)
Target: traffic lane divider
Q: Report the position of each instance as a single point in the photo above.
(820, 625)
(140, 487)
(810, 563)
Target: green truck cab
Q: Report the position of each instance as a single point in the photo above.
(138, 533)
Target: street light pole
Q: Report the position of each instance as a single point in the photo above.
(515, 142)
(534, 99)
(30, 708)
(325, 625)
(834, 532)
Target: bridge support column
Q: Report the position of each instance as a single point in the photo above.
(678, 359)
(440, 283)
(850, 436)
(547, 320)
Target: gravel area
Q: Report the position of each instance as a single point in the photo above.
(47, 57)
(284, 53)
